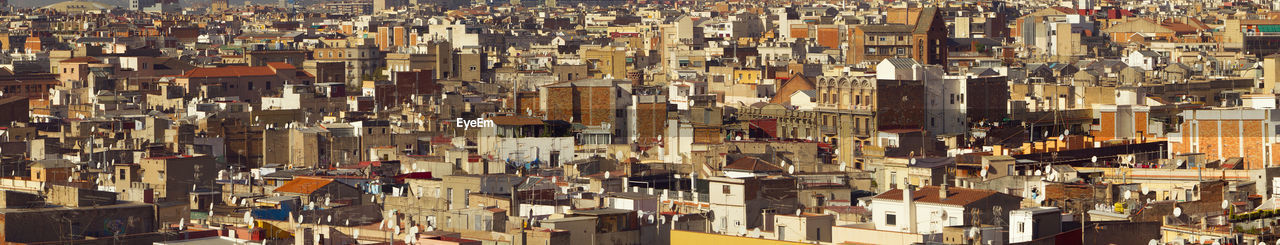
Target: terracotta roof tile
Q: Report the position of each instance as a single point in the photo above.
(955, 195)
(753, 164)
(231, 71)
(281, 66)
(303, 185)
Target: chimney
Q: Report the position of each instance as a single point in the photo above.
(942, 192)
(909, 213)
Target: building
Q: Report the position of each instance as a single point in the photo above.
(916, 33)
(1223, 133)
(360, 61)
(741, 204)
(173, 177)
(1033, 223)
(925, 98)
(929, 209)
(155, 6)
(323, 192)
(248, 83)
(600, 104)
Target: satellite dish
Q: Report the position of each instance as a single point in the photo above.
(1225, 204)
(913, 161)
(973, 232)
(791, 169)
(984, 173)
(1177, 211)
(355, 234)
(1039, 173)
(413, 230)
(396, 228)
(842, 166)
(1153, 242)
(1094, 159)
(607, 175)
(1128, 195)
(182, 224)
(329, 219)
(248, 219)
(326, 201)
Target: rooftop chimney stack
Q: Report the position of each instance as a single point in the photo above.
(942, 192)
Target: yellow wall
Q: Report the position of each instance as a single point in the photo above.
(688, 237)
(747, 76)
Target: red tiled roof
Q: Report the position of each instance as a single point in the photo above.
(1064, 10)
(281, 65)
(753, 164)
(414, 175)
(303, 185)
(929, 194)
(231, 71)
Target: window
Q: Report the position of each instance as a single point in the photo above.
(121, 174)
(890, 218)
(871, 50)
(1022, 227)
(725, 189)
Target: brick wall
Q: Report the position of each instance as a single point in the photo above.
(1238, 139)
(590, 106)
(651, 119)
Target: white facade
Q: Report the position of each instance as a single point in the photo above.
(887, 71)
(1023, 224)
(1147, 60)
(729, 208)
(929, 218)
(947, 104)
(527, 149)
(804, 101)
